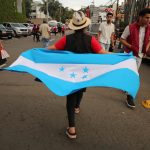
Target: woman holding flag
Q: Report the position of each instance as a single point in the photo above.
(78, 42)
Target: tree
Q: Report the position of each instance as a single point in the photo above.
(56, 10)
(28, 7)
(67, 14)
(44, 6)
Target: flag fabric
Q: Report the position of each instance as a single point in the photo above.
(64, 72)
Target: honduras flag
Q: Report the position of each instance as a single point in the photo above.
(65, 72)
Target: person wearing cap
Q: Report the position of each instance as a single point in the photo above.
(78, 42)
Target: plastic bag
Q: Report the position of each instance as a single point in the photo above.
(4, 54)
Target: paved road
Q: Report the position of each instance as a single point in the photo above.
(33, 118)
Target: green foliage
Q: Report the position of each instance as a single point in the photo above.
(66, 14)
(8, 11)
(56, 10)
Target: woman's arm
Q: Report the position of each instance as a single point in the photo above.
(59, 45)
(102, 51)
(97, 48)
(51, 47)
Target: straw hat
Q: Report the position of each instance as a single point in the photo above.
(79, 21)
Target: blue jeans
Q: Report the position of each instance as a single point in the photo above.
(105, 46)
(138, 62)
(45, 42)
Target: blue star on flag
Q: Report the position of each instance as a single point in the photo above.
(85, 70)
(73, 75)
(61, 69)
(84, 77)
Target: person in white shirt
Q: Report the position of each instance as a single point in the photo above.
(45, 31)
(106, 32)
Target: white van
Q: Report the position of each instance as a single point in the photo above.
(53, 25)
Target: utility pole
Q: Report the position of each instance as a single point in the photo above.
(60, 15)
(132, 11)
(47, 10)
(116, 18)
(117, 9)
(93, 2)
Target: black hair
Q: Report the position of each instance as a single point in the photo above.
(144, 11)
(80, 41)
(44, 21)
(109, 14)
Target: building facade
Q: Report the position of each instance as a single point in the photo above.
(35, 11)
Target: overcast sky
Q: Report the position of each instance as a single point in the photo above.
(77, 4)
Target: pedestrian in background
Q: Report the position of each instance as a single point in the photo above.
(38, 33)
(136, 39)
(35, 31)
(59, 27)
(78, 42)
(3, 55)
(55, 30)
(45, 33)
(63, 30)
(106, 32)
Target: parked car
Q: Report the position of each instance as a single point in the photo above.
(24, 29)
(5, 33)
(19, 29)
(29, 26)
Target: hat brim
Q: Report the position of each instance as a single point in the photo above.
(73, 27)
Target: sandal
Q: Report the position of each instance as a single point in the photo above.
(77, 110)
(71, 135)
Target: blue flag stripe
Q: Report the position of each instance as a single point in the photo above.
(49, 56)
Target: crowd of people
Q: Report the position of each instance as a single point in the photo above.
(37, 31)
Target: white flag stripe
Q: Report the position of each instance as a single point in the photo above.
(74, 72)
